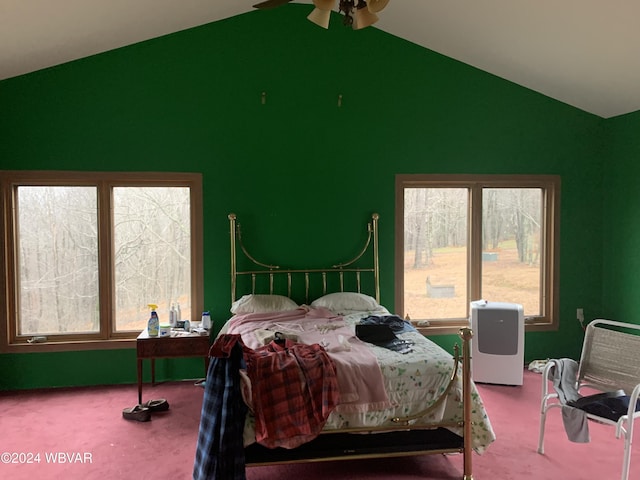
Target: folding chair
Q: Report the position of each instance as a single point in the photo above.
(610, 361)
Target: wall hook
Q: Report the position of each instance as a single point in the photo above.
(340, 100)
(264, 98)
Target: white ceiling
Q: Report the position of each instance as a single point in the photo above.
(585, 53)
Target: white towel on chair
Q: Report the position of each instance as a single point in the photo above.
(575, 424)
(563, 374)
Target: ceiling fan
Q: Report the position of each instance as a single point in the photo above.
(374, 5)
(357, 13)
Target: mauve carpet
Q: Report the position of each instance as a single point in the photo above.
(79, 433)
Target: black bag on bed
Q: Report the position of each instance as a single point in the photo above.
(383, 336)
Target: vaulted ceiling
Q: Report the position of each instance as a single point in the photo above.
(585, 53)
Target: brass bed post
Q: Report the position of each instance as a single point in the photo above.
(232, 233)
(466, 335)
(376, 261)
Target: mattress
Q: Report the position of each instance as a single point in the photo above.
(413, 381)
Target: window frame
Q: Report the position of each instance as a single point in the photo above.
(550, 185)
(104, 182)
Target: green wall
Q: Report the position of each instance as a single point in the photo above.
(300, 171)
(621, 252)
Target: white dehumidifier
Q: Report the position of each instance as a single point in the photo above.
(497, 346)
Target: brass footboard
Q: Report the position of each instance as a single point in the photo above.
(342, 444)
(466, 335)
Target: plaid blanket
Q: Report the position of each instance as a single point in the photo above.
(295, 388)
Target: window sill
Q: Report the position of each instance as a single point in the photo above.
(83, 345)
(454, 329)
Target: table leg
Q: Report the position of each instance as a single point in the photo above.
(139, 380)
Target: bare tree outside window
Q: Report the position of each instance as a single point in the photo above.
(152, 252)
(59, 256)
(86, 252)
(511, 226)
(435, 274)
(467, 237)
(57, 260)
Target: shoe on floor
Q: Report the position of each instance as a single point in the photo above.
(160, 405)
(139, 413)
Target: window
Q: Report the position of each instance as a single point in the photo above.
(86, 252)
(461, 238)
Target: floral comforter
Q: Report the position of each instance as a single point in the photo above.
(413, 381)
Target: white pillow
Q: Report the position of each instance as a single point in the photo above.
(341, 302)
(262, 304)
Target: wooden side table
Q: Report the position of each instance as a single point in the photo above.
(193, 345)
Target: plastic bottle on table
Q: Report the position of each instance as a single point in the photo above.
(206, 321)
(172, 316)
(153, 325)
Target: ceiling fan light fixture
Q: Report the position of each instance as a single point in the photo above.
(363, 17)
(322, 13)
(320, 17)
(357, 13)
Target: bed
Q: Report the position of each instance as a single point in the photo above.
(396, 396)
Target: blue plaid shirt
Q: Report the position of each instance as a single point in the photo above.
(220, 449)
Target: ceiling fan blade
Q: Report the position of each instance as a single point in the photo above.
(270, 4)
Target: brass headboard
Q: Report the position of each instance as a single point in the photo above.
(341, 270)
